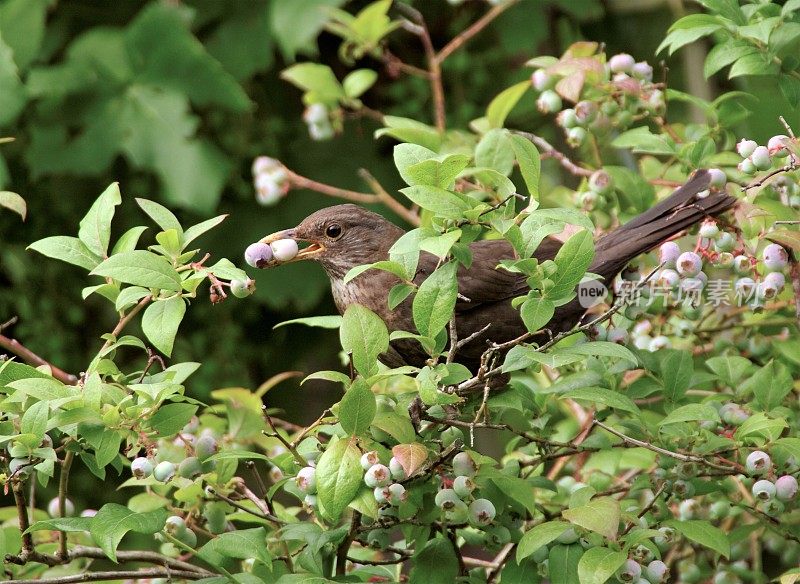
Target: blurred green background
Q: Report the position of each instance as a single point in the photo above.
(174, 99)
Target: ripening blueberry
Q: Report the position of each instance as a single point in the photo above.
(630, 571)
(141, 467)
(190, 467)
(446, 499)
(481, 512)
(175, 525)
(618, 335)
(717, 177)
(463, 465)
(567, 118)
(725, 242)
(268, 191)
(307, 480)
(760, 158)
(53, 508)
(668, 254)
(377, 476)
(243, 288)
(657, 572)
(258, 255)
(164, 471)
(658, 343)
(397, 470)
(758, 462)
(576, 136)
(709, 229)
(321, 131)
(284, 249)
(642, 70)
(601, 182)
(746, 147)
(542, 80)
(458, 513)
(726, 577)
(689, 264)
(205, 447)
(397, 494)
(766, 290)
(777, 146)
(586, 112)
(621, 63)
(381, 494)
(776, 280)
(463, 486)
(589, 200)
(369, 459)
(786, 488)
(549, 101)
(775, 257)
(742, 265)
(746, 166)
(642, 342)
(669, 279)
(265, 165)
(794, 201)
(764, 490)
(315, 113)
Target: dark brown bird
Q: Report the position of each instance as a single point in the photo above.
(345, 236)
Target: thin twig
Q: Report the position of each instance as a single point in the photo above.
(17, 348)
(384, 197)
(126, 319)
(116, 575)
(22, 516)
(547, 150)
(467, 34)
(63, 485)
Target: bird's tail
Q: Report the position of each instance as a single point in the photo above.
(679, 211)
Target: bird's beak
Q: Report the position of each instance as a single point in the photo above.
(310, 252)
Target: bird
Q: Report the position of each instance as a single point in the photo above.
(345, 236)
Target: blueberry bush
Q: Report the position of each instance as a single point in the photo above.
(654, 442)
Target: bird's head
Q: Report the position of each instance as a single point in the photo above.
(341, 238)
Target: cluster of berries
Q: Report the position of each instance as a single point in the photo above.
(627, 94)
(594, 196)
(204, 446)
(457, 501)
(772, 495)
(270, 179)
(759, 158)
(261, 255)
(632, 571)
(318, 119)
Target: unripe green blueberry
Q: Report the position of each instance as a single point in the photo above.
(265, 164)
(772, 507)
(764, 490)
(397, 470)
(175, 525)
(760, 158)
(668, 254)
(601, 182)
(668, 279)
(726, 577)
(746, 147)
(205, 447)
(542, 80)
(215, 514)
(549, 101)
(719, 510)
(589, 200)
(786, 488)
(733, 414)
(377, 475)
(258, 255)
(284, 249)
(725, 242)
(369, 459)
(689, 264)
(742, 265)
(268, 191)
(397, 494)
(310, 500)
(307, 480)
(758, 463)
(576, 136)
(709, 229)
(141, 467)
(778, 146)
(481, 512)
(775, 257)
(381, 494)
(497, 535)
(190, 467)
(586, 112)
(724, 260)
(458, 514)
(630, 571)
(717, 178)
(621, 63)
(794, 201)
(446, 499)
(568, 537)
(315, 113)
(463, 486)
(746, 166)
(164, 471)
(53, 508)
(463, 465)
(187, 537)
(243, 288)
(567, 119)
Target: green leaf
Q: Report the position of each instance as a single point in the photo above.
(598, 564)
(572, 260)
(435, 563)
(66, 524)
(435, 300)
(729, 368)
(397, 426)
(604, 396)
(770, 385)
(171, 418)
(13, 202)
(339, 475)
(522, 357)
(410, 456)
(439, 201)
(602, 349)
(676, 370)
(333, 321)
(440, 245)
(504, 102)
(14, 95)
(530, 164)
(495, 151)
(357, 408)
(437, 173)
(196, 231)
(563, 563)
(105, 441)
(316, 78)
(128, 240)
(641, 139)
(67, 249)
(539, 535)
(398, 294)
(129, 296)
(761, 426)
(34, 420)
(161, 320)
(95, 227)
(162, 216)
(385, 265)
(599, 515)
(536, 312)
(723, 54)
(690, 413)
(409, 155)
(113, 521)
(240, 544)
(363, 334)
(359, 81)
(704, 533)
(141, 268)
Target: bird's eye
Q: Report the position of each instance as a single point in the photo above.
(333, 231)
